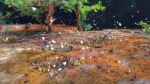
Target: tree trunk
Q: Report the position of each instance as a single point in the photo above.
(49, 19)
(77, 9)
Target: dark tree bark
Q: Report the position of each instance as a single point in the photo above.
(49, 19)
(77, 9)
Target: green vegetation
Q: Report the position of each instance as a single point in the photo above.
(84, 9)
(36, 8)
(145, 26)
(4, 17)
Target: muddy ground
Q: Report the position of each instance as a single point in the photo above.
(93, 57)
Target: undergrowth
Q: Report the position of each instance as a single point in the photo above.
(145, 26)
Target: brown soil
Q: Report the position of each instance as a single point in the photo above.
(96, 57)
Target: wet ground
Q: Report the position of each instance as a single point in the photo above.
(95, 57)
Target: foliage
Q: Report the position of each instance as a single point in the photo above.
(34, 8)
(4, 17)
(85, 8)
(145, 26)
(26, 7)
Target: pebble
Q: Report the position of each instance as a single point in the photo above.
(40, 69)
(49, 42)
(56, 57)
(62, 46)
(129, 71)
(81, 42)
(49, 63)
(83, 48)
(51, 74)
(119, 62)
(43, 38)
(109, 37)
(34, 64)
(49, 66)
(52, 48)
(47, 46)
(90, 57)
(43, 69)
(87, 47)
(59, 69)
(64, 63)
(54, 65)
(120, 40)
(53, 41)
(82, 58)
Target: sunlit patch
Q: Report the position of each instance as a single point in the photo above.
(34, 8)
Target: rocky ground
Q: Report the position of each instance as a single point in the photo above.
(94, 57)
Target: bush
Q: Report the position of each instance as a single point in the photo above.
(145, 26)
